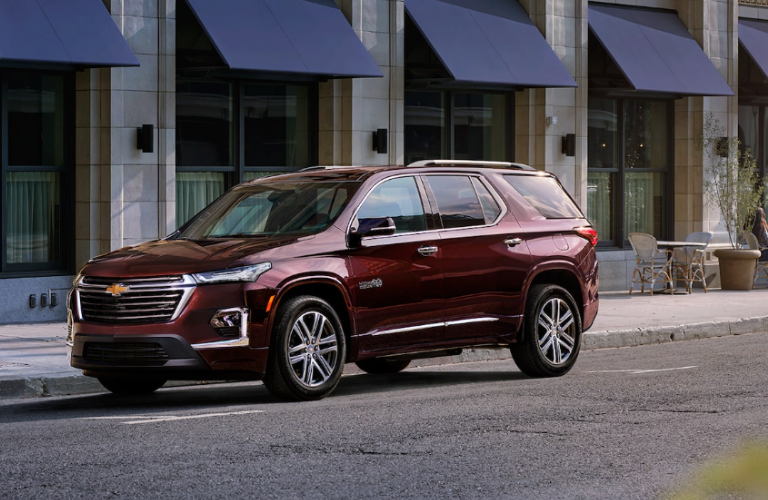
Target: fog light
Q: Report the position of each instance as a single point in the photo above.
(231, 322)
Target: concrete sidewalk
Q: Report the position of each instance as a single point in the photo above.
(33, 358)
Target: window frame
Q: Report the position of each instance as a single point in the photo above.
(447, 135)
(67, 182)
(235, 174)
(619, 173)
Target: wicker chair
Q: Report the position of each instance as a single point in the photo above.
(652, 264)
(688, 262)
(762, 265)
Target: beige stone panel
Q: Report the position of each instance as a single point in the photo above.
(325, 108)
(140, 220)
(377, 45)
(141, 34)
(375, 16)
(748, 12)
(167, 29)
(564, 8)
(375, 115)
(111, 108)
(83, 221)
(352, 113)
(140, 108)
(397, 85)
(140, 183)
(325, 144)
(143, 77)
(86, 146)
(397, 116)
(143, 8)
(377, 88)
(86, 108)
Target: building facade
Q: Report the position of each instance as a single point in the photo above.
(121, 143)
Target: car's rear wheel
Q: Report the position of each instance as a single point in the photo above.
(128, 387)
(382, 366)
(307, 351)
(551, 335)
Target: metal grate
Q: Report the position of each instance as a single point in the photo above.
(136, 301)
(126, 353)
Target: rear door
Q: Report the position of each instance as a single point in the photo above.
(484, 259)
(398, 277)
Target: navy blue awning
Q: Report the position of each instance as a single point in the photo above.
(753, 36)
(78, 33)
(488, 42)
(655, 51)
(302, 37)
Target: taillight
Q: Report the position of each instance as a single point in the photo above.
(589, 233)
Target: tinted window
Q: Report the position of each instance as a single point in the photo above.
(546, 195)
(399, 199)
(491, 209)
(457, 201)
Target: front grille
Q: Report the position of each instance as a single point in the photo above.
(132, 301)
(125, 353)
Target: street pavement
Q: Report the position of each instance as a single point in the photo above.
(33, 359)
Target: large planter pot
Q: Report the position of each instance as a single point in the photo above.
(737, 268)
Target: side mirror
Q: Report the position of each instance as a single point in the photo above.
(382, 226)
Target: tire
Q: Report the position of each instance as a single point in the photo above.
(307, 350)
(551, 335)
(131, 387)
(383, 366)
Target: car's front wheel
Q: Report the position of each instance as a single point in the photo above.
(551, 335)
(131, 387)
(307, 350)
(382, 366)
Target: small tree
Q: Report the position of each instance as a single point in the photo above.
(732, 184)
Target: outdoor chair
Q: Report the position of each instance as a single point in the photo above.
(688, 262)
(652, 264)
(752, 243)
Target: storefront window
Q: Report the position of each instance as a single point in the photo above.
(457, 125)
(630, 161)
(229, 132)
(35, 168)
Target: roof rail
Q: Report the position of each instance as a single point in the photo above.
(320, 167)
(470, 163)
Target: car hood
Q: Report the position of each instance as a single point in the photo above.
(166, 257)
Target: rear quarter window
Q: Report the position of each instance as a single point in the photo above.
(546, 195)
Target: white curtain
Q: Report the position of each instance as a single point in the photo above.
(32, 201)
(194, 191)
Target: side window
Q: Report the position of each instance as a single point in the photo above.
(491, 209)
(546, 195)
(457, 201)
(399, 199)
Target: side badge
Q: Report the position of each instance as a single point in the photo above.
(366, 285)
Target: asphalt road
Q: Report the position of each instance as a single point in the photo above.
(625, 423)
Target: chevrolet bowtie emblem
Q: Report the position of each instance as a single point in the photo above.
(116, 289)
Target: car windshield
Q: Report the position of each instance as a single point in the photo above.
(272, 208)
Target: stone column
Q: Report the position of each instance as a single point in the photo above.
(352, 109)
(125, 196)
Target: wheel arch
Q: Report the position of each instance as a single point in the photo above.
(327, 288)
(565, 277)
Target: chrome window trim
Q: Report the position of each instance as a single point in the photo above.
(486, 183)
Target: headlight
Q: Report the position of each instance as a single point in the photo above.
(248, 273)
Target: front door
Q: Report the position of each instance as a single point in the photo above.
(398, 278)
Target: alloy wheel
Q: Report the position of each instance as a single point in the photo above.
(313, 349)
(556, 331)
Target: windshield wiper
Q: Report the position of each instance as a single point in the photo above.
(239, 235)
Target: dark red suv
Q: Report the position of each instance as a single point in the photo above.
(287, 278)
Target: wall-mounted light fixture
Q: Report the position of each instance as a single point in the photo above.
(551, 120)
(569, 145)
(380, 141)
(146, 138)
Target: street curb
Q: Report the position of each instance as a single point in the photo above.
(76, 383)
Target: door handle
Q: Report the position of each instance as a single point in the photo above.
(427, 250)
(511, 242)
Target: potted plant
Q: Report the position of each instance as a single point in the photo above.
(733, 185)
